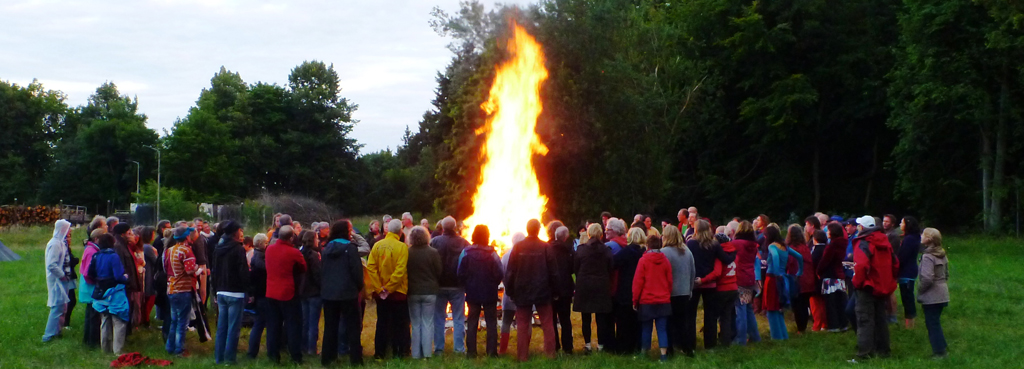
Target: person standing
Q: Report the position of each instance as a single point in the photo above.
(820, 240)
(257, 290)
(109, 297)
(652, 290)
(284, 263)
(874, 279)
(805, 283)
(56, 279)
(777, 284)
(682, 326)
(747, 266)
(706, 249)
(151, 257)
(387, 266)
(833, 278)
(342, 281)
(124, 239)
(508, 307)
(232, 278)
(449, 246)
(907, 256)
(180, 266)
(480, 271)
(91, 328)
(594, 267)
(727, 289)
(627, 324)
(531, 280)
(309, 291)
(933, 292)
(424, 273)
(71, 282)
(558, 234)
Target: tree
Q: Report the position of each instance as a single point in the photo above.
(31, 119)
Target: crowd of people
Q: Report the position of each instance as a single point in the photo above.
(833, 274)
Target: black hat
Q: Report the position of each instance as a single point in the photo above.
(230, 228)
(121, 228)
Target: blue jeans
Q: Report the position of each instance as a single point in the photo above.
(54, 322)
(181, 307)
(645, 337)
(420, 308)
(932, 320)
(311, 323)
(746, 324)
(457, 298)
(229, 325)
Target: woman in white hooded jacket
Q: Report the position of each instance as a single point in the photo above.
(57, 292)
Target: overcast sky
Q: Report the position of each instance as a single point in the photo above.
(165, 51)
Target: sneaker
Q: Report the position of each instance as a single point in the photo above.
(941, 356)
(184, 353)
(664, 359)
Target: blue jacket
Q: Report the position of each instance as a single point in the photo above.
(106, 269)
(480, 272)
(907, 256)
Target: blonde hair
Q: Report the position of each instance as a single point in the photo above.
(636, 236)
(934, 236)
(419, 236)
(673, 238)
(703, 234)
(594, 231)
(259, 241)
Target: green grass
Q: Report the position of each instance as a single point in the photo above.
(982, 324)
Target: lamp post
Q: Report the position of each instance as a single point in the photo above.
(157, 180)
(138, 172)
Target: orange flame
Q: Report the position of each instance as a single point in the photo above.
(508, 194)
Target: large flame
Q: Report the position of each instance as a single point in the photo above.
(509, 195)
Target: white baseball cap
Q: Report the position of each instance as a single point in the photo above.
(866, 221)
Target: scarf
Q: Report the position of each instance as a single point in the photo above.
(621, 240)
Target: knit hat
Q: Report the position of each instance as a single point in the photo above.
(121, 228)
(866, 221)
(181, 233)
(836, 218)
(230, 228)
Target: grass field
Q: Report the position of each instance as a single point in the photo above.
(983, 325)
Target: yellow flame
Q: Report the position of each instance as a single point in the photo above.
(508, 194)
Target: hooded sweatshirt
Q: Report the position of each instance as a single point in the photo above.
(727, 281)
(231, 267)
(652, 283)
(342, 271)
(480, 271)
(875, 267)
(746, 256)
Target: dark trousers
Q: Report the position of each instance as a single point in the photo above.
(908, 299)
(727, 316)
(73, 296)
(872, 324)
(490, 311)
(802, 311)
(605, 328)
(562, 313)
(259, 323)
(164, 312)
(284, 316)
(627, 329)
(851, 310)
(682, 324)
(91, 328)
(334, 312)
(835, 306)
(392, 328)
(710, 297)
(932, 320)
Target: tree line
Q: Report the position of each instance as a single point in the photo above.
(737, 107)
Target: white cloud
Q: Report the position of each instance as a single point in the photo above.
(166, 51)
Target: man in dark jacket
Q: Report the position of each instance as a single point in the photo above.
(232, 279)
(450, 245)
(480, 272)
(874, 278)
(532, 280)
(341, 283)
(564, 253)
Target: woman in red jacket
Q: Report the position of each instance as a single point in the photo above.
(652, 290)
(801, 306)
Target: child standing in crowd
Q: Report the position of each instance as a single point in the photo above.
(652, 289)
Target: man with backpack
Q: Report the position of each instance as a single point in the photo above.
(874, 279)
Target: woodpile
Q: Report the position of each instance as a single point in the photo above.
(28, 215)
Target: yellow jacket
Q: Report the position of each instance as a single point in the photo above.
(387, 266)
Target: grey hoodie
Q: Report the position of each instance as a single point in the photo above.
(683, 271)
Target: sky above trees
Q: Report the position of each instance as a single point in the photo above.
(164, 51)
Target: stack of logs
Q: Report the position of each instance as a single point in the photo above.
(28, 215)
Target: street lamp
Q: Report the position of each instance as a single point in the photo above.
(138, 172)
(157, 180)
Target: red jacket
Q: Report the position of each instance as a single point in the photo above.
(652, 283)
(284, 262)
(806, 280)
(727, 281)
(746, 255)
(877, 270)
